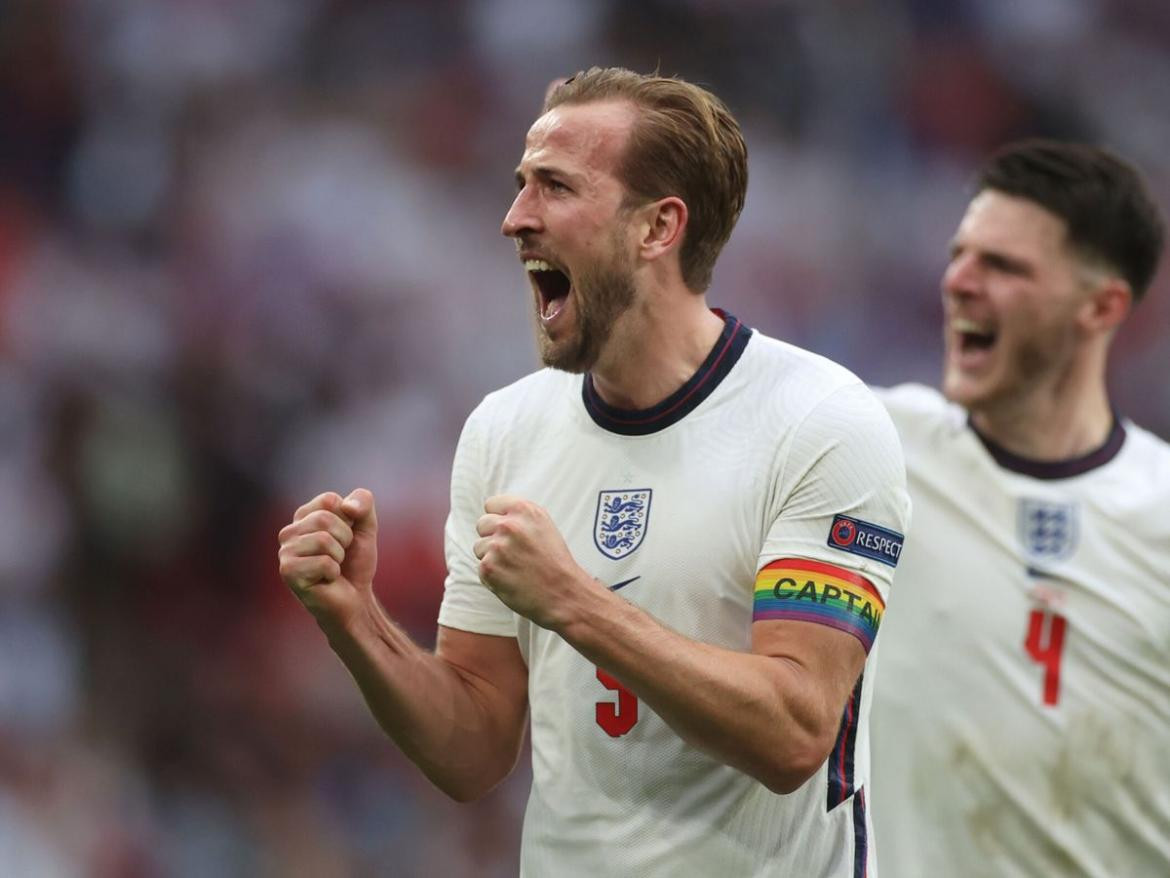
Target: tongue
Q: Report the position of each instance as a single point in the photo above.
(554, 289)
(553, 307)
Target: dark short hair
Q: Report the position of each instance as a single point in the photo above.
(1103, 200)
(684, 143)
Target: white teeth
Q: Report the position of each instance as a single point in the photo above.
(962, 324)
(537, 265)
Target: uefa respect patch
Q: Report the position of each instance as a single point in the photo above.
(803, 590)
(865, 539)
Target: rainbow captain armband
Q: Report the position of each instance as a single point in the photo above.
(812, 591)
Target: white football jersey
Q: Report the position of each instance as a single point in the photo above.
(1022, 716)
(768, 461)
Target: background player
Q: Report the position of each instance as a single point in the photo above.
(1024, 696)
(682, 726)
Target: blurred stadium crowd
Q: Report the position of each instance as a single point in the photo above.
(249, 251)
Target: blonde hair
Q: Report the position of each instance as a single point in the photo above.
(684, 143)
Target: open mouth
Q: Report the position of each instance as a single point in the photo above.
(973, 336)
(552, 285)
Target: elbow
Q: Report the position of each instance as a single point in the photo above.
(788, 771)
(463, 794)
(786, 779)
(470, 781)
(465, 790)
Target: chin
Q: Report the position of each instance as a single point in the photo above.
(975, 399)
(963, 391)
(565, 357)
(573, 367)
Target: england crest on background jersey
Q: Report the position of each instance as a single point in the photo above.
(621, 521)
(1048, 530)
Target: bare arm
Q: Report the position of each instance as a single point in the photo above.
(773, 713)
(458, 713)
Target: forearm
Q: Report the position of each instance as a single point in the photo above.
(764, 715)
(444, 718)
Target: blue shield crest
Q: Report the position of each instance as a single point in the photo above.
(1048, 530)
(621, 521)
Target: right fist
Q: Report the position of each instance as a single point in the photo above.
(330, 548)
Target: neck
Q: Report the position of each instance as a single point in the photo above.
(1049, 425)
(656, 346)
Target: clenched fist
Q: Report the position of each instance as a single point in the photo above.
(523, 559)
(329, 552)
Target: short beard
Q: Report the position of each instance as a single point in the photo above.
(1042, 359)
(602, 295)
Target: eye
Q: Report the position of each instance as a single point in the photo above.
(1004, 264)
(557, 186)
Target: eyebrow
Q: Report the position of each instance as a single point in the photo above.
(544, 172)
(996, 259)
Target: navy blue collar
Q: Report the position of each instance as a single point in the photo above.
(1055, 469)
(642, 422)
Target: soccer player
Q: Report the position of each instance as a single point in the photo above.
(1022, 709)
(673, 546)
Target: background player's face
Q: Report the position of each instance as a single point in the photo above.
(1011, 294)
(572, 231)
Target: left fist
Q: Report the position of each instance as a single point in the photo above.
(523, 559)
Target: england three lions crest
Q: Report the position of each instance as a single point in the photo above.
(1048, 530)
(621, 521)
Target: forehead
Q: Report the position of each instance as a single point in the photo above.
(580, 138)
(1006, 223)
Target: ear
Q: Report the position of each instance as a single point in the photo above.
(1107, 306)
(662, 227)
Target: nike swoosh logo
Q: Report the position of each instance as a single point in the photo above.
(623, 583)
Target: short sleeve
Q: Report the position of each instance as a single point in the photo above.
(467, 603)
(840, 514)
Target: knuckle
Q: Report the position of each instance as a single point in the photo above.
(292, 576)
(320, 519)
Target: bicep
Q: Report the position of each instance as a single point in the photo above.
(823, 665)
(827, 560)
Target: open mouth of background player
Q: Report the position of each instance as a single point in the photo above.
(970, 342)
(971, 338)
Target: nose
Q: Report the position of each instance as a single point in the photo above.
(962, 275)
(523, 216)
